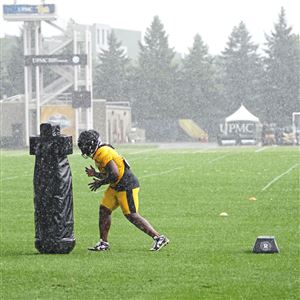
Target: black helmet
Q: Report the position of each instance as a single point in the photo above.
(88, 142)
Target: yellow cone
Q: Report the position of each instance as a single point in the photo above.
(252, 199)
(223, 214)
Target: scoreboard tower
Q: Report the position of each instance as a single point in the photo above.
(73, 71)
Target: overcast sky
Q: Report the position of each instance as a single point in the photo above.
(182, 19)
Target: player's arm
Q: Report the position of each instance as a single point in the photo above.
(112, 172)
(91, 172)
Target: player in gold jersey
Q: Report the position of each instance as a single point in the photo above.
(122, 191)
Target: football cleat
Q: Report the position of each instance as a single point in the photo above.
(100, 246)
(159, 242)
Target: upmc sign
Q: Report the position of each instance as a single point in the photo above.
(241, 128)
(28, 9)
(41, 60)
(236, 128)
(24, 12)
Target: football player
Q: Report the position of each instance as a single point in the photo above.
(122, 191)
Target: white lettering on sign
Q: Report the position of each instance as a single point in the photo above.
(241, 128)
(25, 9)
(223, 129)
(232, 127)
(39, 60)
(250, 128)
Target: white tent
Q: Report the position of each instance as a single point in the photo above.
(242, 114)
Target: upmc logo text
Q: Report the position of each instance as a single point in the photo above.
(238, 128)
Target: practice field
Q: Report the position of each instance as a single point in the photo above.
(183, 191)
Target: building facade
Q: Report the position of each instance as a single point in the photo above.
(111, 119)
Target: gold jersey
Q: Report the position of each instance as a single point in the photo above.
(104, 155)
(126, 179)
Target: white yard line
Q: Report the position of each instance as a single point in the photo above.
(261, 149)
(13, 177)
(9, 178)
(161, 173)
(218, 158)
(140, 151)
(148, 175)
(279, 176)
(200, 151)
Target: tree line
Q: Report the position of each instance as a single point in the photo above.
(163, 87)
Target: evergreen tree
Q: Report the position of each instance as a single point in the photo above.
(242, 71)
(198, 86)
(5, 83)
(282, 65)
(154, 104)
(111, 72)
(12, 67)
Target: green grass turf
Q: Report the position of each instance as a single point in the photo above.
(182, 194)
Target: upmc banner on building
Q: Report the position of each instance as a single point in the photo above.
(40, 60)
(28, 9)
(62, 115)
(24, 12)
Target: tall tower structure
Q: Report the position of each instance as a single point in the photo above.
(73, 71)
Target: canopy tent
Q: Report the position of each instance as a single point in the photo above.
(242, 114)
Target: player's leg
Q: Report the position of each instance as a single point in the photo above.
(142, 224)
(129, 203)
(104, 222)
(159, 240)
(108, 204)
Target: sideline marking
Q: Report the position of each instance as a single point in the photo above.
(279, 176)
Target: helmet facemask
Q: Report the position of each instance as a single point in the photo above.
(88, 143)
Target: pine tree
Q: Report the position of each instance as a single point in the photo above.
(5, 83)
(111, 72)
(12, 66)
(154, 82)
(198, 86)
(282, 64)
(242, 71)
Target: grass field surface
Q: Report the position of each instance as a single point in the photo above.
(183, 191)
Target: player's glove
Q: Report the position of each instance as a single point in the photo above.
(95, 185)
(90, 172)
